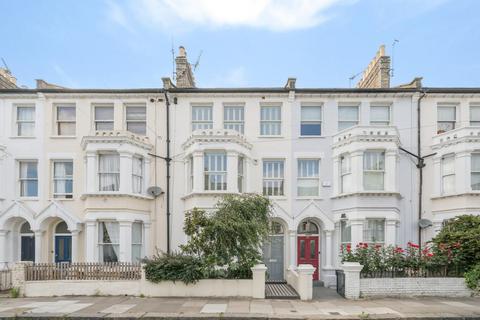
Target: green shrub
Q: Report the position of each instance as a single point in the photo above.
(472, 278)
(14, 293)
(175, 267)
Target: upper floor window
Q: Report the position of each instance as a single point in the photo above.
(345, 232)
(104, 118)
(202, 118)
(28, 177)
(215, 169)
(136, 118)
(345, 174)
(448, 174)
(270, 120)
(241, 173)
(475, 115)
(63, 179)
(308, 178)
(475, 171)
(446, 117)
(108, 241)
(311, 121)
(347, 117)
(25, 121)
(374, 231)
(234, 118)
(66, 120)
(137, 174)
(373, 170)
(137, 241)
(109, 172)
(273, 177)
(379, 115)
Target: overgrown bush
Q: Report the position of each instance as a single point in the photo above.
(472, 278)
(175, 267)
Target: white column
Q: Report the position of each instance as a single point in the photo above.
(357, 232)
(390, 232)
(146, 175)
(198, 175)
(91, 241)
(232, 171)
(125, 241)
(74, 234)
(292, 239)
(125, 172)
(357, 170)
(38, 246)
(352, 279)
(328, 249)
(437, 176)
(146, 239)
(338, 242)
(462, 172)
(390, 170)
(91, 176)
(258, 279)
(3, 247)
(336, 175)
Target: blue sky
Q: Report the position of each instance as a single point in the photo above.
(127, 43)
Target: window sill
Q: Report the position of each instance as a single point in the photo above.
(269, 137)
(115, 194)
(475, 193)
(309, 198)
(311, 137)
(29, 198)
(207, 193)
(23, 137)
(277, 197)
(63, 137)
(62, 199)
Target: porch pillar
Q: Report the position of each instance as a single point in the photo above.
(125, 172)
(293, 247)
(38, 245)
(390, 232)
(328, 250)
(146, 239)
(198, 176)
(232, 172)
(3, 247)
(90, 241)
(74, 256)
(357, 231)
(125, 241)
(91, 164)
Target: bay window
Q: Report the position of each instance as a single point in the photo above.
(109, 172)
(63, 179)
(108, 241)
(373, 170)
(311, 121)
(241, 173)
(345, 174)
(374, 231)
(347, 117)
(104, 118)
(345, 232)
(136, 118)
(202, 118)
(448, 174)
(137, 242)
(446, 116)
(215, 170)
(25, 121)
(190, 173)
(380, 115)
(308, 178)
(273, 177)
(137, 174)
(475, 171)
(270, 120)
(28, 177)
(66, 120)
(233, 118)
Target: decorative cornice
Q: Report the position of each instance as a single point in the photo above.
(366, 134)
(455, 195)
(217, 136)
(456, 136)
(114, 194)
(368, 194)
(117, 137)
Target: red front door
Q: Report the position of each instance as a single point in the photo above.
(307, 250)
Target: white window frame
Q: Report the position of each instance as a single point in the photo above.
(275, 182)
(345, 232)
(380, 171)
(191, 173)
(452, 122)
(241, 173)
(474, 172)
(345, 174)
(100, 242)
(136, 176)
(474, 122)
(268, 124)
(202, 124)
(448, 175)
(144, 121)
(67, 195)
(311, 121)
(99, 173)
(303, 177)
(367, 230)
(19, 122)
(352, 122)
(95, 121)
(218, 175)
(58, 122)
(138, 244)
(25, 179)
(381, 122)
(230, 119)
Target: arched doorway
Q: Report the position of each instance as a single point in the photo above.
(27, 243)
(307, 245)
(273, 252)
(63, 243)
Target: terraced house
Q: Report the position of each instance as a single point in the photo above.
(108, 175)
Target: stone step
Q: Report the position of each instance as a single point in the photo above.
(280, 290)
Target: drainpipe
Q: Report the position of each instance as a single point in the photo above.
(168, 160)
(420, 164)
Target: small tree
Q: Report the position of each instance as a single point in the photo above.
(231, 235)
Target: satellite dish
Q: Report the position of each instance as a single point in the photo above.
(424, 223)
(155, 191)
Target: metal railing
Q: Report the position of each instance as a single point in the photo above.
(83, 271)
(5, 277)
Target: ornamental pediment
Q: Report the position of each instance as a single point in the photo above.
(366, 134)
(213, 136)
(117, 137)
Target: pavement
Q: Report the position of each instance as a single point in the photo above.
(334, 307)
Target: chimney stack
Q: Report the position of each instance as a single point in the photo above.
(7, 81)
(184, 72)
(377, 74)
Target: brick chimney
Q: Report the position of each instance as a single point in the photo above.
(42, 84)
(377, 74)
(7, 81)
(184, 72)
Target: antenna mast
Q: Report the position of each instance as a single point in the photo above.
(173, 62)
(350, 79)
(5, 64)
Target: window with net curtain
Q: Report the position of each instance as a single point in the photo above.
(270, 120)
(448, 174)
(345, 174)
(234, 118)
(475, 171)
(63, 179)
(308, 178)
(108, 241)
(28, 178)
(446, 117)
(202, 118)
(66, 120)
(273, 177)
(347, 117)
(373, 170)
(380, 115)
(104, 118)
(137, 174)
(311, 121)
(136, 118)
(109, 172)
(374, 231)
(25, 121)
(215, 170)
(137, 242)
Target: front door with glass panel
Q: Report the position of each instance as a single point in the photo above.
(307, 245)
(27, 243)
(63, 248)
(273, 253)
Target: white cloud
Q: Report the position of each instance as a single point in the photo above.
(235, 77)
(174, 15)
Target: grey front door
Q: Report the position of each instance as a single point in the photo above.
(273, 257)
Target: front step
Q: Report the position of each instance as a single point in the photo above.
(318, 283)
(279, 289)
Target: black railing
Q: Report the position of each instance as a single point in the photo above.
(340, 282)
